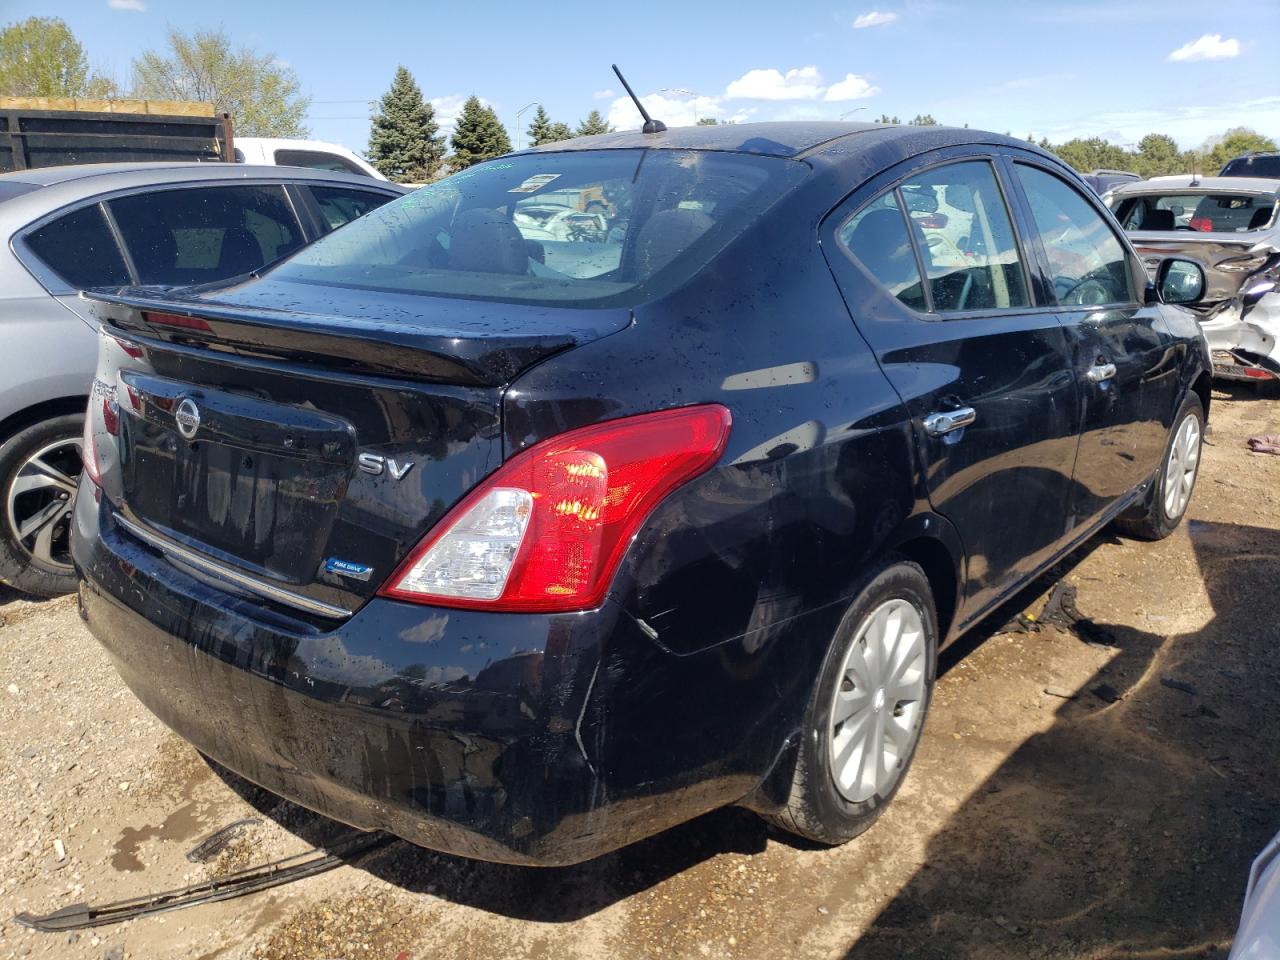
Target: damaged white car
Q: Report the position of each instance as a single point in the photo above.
(1231, 225)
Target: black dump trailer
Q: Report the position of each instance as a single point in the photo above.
(48, 131)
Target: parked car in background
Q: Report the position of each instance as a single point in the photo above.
(312, 154)
(1258, 936)
(526, 562)
(1231, 225)
(1258, 164)
(66, 229)
(1103, 180)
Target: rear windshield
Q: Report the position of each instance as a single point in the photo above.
(596, 228)
(1210, 213)
(1267, 165)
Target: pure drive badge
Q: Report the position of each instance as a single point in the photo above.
(345, 568)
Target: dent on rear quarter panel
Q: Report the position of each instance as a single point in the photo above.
(738, 579)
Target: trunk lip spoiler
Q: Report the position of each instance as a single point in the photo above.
(221, 571)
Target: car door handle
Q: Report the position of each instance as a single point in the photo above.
(942, 422)
(1101, 371)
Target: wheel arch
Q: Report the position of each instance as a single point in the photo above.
(1202, 387)
(44, 410)
(929, 540)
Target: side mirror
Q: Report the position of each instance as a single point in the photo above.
(1180, 281)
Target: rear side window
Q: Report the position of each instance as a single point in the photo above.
(316, 160)
(341, 205)
(957, 218)
(205, 234)
(1260, 165)
(80, 249)
(1087, 262)
(574, 228)
(877, 237)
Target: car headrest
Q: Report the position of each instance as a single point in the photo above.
(1157, 220)
(665, 234)
(485, 241)
(240, 252)
(880, 242)
(1261, 217)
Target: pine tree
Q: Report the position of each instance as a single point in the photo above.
(478, 136)
(403, 143)
(539, 131)
(560, 131)
(592, 125)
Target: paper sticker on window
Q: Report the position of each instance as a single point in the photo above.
(534, 183)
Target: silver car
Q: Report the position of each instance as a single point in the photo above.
(66, 229)
(1231, 225)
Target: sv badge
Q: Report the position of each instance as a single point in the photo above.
(378, 465)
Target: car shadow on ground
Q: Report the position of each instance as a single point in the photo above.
(564, 894)
(1127, 828)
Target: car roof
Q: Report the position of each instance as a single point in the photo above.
(1190, 184)
(58, 187)
(170, 172)
(784, 138)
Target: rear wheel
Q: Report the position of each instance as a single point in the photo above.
(39, 470)
(867, 710)
(1175, 480)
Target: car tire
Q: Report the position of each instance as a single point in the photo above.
(1166, 505)
(39, 468)
(834, 797)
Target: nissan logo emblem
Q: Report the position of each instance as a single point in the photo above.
(188, 417)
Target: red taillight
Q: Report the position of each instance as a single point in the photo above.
(1203, 224)
(176, 320)
(89, 442)
(546, 531)
(1257, 373)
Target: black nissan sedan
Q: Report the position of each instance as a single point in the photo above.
(525, 535)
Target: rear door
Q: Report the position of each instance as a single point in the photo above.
(984, 369)
(1126, 361)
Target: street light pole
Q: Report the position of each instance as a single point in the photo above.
(519, 131)
(849, 112)
(689, 93)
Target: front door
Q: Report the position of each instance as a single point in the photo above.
(1126, 362)
(935, 279)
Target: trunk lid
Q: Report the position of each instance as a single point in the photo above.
(302, 455)
(1207, 249)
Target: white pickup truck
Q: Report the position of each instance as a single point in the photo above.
(302, 153)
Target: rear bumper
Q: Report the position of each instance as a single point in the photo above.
(497, 737)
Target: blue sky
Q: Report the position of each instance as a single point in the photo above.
(1116, 69)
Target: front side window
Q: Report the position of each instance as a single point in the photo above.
(1087, 262)
(1204, 212)
(590, 228)
(79, 248)
(205, 234)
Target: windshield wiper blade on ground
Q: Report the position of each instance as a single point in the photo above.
(81, 916)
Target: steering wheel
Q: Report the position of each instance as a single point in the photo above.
(1088, 292)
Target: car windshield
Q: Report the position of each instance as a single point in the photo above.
(597, 228)
(1207, 212)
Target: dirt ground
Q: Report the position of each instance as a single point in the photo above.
(1114, 816)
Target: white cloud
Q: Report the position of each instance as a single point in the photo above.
(604, 94)
(447, 109)
(875, 18)
(674, 112)
(803, 83)
(137, 6)
(1209, 47)
(852, 87)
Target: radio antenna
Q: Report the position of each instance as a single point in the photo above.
(650, 125)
